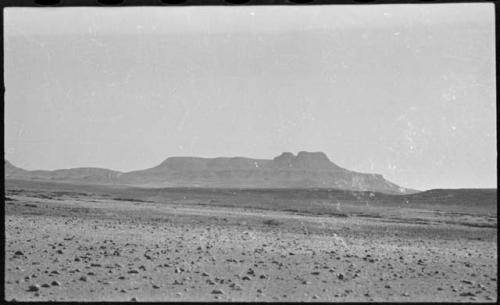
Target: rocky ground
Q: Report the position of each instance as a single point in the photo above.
(80, 248)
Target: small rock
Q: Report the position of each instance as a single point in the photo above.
(467, 294)
(217, 291)
(45, 285)
(19, 253)
(35, 287)
(55, 283)
(83, 278)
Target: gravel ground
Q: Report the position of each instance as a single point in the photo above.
(94, 249)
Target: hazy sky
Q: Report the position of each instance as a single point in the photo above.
(407, 91)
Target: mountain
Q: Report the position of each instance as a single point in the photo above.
(11, 170)
(82, 175)
(305, 170)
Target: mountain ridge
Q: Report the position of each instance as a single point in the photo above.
(304, 170)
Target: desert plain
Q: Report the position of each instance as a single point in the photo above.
(68, 242)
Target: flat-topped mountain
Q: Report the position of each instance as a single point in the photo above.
(304, 170)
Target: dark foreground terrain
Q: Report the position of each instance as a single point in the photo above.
(83, 243)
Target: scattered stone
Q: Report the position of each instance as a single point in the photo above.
(235, 286)
(83, 278)
(55, 283)
(217, 291)
(45, 285)
(34, 287)
(467, 294)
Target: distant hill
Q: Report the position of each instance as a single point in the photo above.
(460, 197)
(83, 175)
(305, 170)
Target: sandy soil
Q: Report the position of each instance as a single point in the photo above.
(93, 249)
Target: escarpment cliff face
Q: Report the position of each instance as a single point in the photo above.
(304, 170)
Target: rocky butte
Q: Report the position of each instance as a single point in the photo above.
(304, 170)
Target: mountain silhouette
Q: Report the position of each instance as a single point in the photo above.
(304, 170)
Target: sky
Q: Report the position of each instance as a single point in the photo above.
(406, 91)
